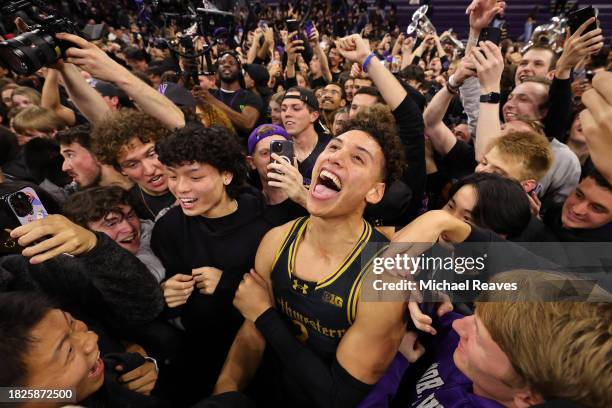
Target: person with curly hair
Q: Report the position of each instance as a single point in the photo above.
(126, 140)
(311, 269)
(207, 242)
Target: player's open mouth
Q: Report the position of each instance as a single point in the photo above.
(327, 185)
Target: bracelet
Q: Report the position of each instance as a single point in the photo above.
(452, 89)
(453, 84)
(366, 62)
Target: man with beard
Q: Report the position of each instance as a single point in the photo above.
(312, 268)
(241, 106)
(333, 99)
(81, 164)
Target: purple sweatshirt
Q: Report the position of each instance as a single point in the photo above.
(442, 385)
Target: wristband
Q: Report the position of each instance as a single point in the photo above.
(492, 97)
(366, 62)
(452, 89)
(453, 84)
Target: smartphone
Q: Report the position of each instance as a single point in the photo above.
(263, 24)
(293, 25)
(576, 18)
(284, 148)
(308, 27)
(25, 205)
(492, 34)
(93, 32)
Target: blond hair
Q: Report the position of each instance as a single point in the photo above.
(559, 345)
(32, 94)
(531, 149)
(37, 118)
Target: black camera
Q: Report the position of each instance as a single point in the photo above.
(30, 51)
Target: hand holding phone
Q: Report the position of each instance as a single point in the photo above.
(52, 236)
(283, 148)
(293, 26)
(25, 206)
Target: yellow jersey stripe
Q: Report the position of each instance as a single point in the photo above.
(293, 248)
(365, 237)
(354, 293)
(286, 240)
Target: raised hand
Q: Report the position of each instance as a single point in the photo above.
(482, 12)
(489, 64)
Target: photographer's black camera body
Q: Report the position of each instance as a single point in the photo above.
(32, 50)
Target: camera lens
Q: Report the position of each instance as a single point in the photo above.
(28, 52)
(277, 147)
(20, 202)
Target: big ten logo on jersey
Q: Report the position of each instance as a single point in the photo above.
(332, 299)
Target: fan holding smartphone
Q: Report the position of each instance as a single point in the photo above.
(42, 235)
(584, 38)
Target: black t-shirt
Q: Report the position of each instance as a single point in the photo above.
(461, 160)
(284, 212)
(305, 167)
(147, 206)
(238, 100)
(318, 82)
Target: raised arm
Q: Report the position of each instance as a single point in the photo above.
(50, 98)
(95, 61)
(356, 49)
(489, 64)
(87, 100)
(481, 13)
(442, 138)
(596, 122)
(314, 43)
(254, 49)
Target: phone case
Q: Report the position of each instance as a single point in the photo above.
(38, 210)
(578, 17)
(286, 152)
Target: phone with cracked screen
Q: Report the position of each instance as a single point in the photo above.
(284, 148)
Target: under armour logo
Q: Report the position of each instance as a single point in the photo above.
(303, 287)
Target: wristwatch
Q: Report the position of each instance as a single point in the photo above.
(492, 97)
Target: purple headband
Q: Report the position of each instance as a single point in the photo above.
(256, 135)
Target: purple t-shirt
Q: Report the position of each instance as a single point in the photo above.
(442, 385)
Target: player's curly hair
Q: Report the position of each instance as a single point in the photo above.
(378, 122)
(214, 145)
(115, 131)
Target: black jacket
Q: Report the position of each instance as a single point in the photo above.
(108, 283)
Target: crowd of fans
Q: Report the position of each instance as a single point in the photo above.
(184, 262)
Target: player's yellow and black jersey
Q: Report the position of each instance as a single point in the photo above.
(320, 312)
